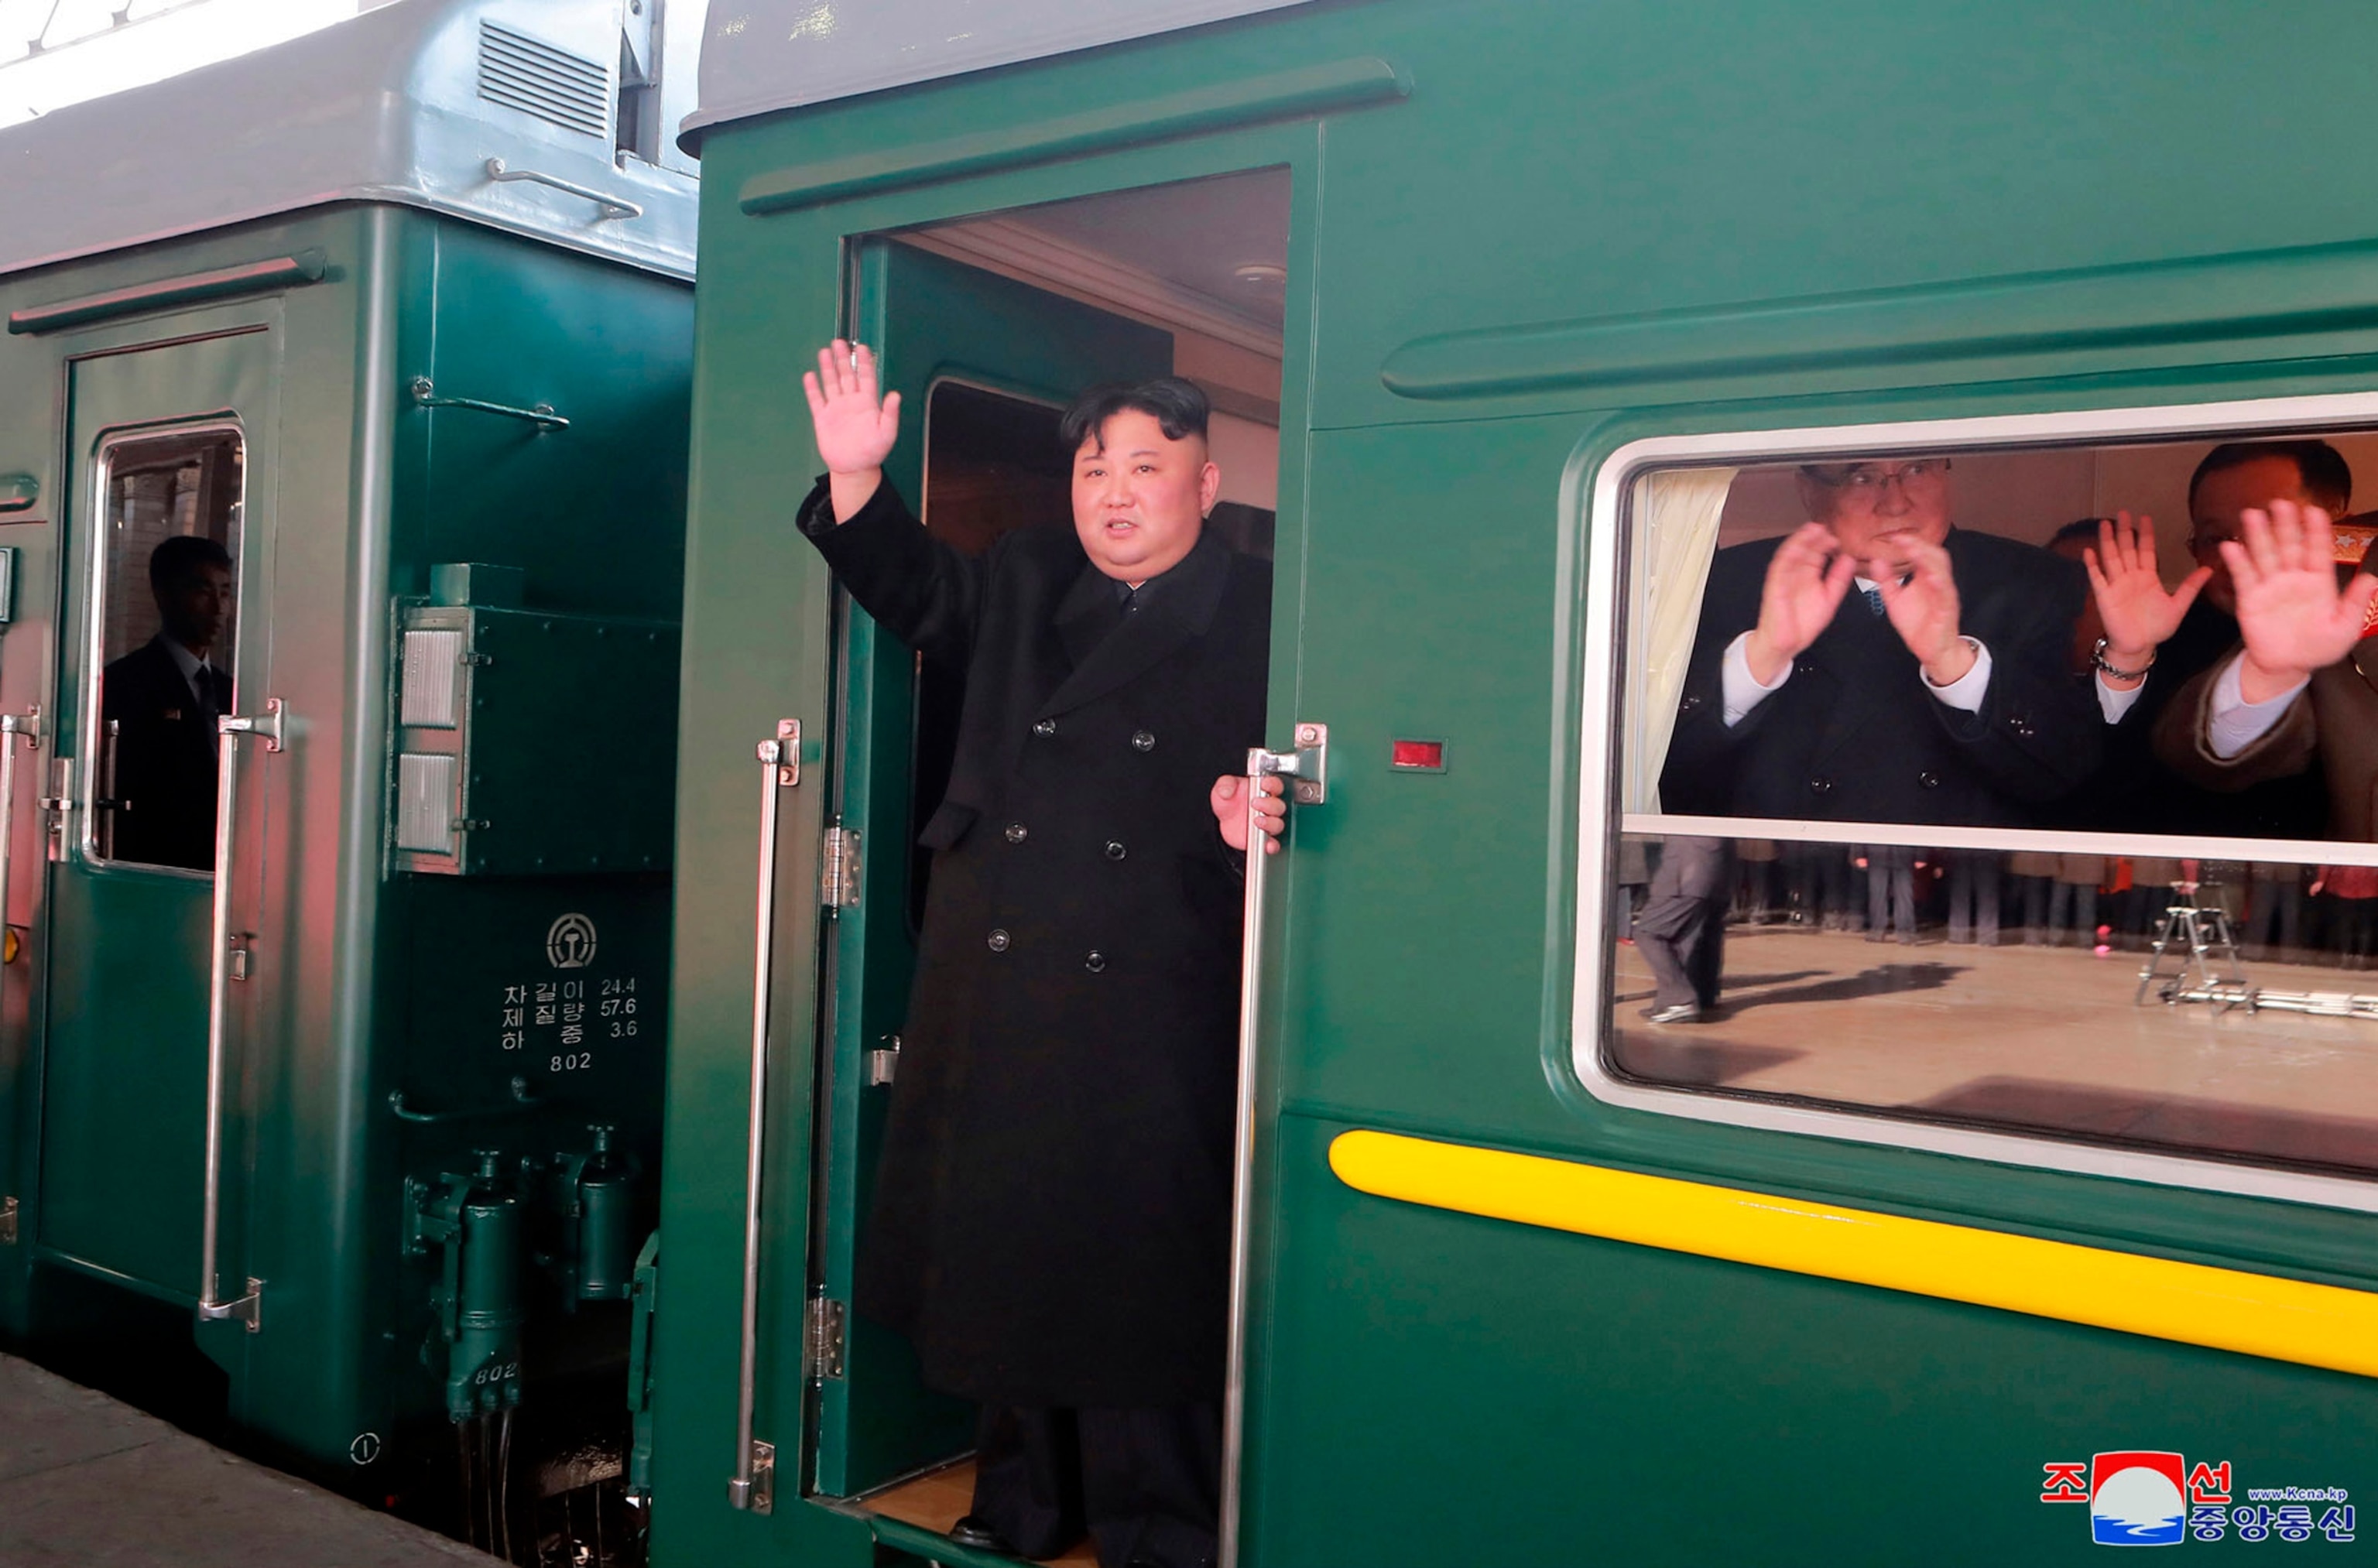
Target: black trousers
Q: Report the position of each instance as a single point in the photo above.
(1145, 1483)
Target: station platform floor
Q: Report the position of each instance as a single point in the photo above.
(92, 1483)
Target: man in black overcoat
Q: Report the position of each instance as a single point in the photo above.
(164, 698)
(1877, 666)
(1052, 1220)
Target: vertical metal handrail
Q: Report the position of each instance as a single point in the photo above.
(28, 725)
(1306, 769)
(752, 1486)
(229, 730)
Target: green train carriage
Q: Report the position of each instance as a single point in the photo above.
(345, 1154)
(1564, 297)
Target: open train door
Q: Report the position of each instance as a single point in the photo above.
(984, 366)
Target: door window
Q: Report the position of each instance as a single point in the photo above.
(164, 634)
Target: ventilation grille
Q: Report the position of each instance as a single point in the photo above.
(536, 79)
(424, 803)
(432, 660)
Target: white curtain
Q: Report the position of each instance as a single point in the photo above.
(1675, 518)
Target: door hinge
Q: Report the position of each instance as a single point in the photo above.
(838, 868)
(7, 1222)
(884, 1061)
(821, 1336)
(764, 1477)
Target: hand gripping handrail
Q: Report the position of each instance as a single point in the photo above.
(1306, 771)
(229, 730)
(752, 1487)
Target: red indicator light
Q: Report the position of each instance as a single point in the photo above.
(1426, 756)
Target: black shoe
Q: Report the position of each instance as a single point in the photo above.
(975, 1533)
(1681, 1013)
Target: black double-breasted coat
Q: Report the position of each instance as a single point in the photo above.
(1052, 1215)
(1853, 736)
(165, 757)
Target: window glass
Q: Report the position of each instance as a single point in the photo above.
(164, 634)
(1985, 787)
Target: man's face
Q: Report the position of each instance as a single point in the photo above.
(1874, 508)
(195, 606)
(2221, 501)
(1140, 496)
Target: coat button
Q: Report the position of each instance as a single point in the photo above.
(1045, 728)
(1114, 849)
(1929, 781)
(1096, 962)
(998, 941)
(1820, 786)
(1017, 833)
(1688, 706)
(1142, 741)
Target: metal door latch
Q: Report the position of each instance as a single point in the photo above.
(838, 868)
(821, 1338)
(884, 1061)
(1306, 769)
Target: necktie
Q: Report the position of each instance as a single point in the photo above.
(203, 679)
(1873, 600)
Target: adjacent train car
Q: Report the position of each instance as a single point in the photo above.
(353, 375)
(1521, 311)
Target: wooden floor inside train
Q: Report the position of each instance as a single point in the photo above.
(939, 1498)
(2027, 1036)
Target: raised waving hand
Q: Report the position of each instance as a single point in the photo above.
(856, 425)
(1806, 579)
(2294, 616)
(1925, 609)
(2138, 613)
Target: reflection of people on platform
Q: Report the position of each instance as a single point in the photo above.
(1681, 929)
(1877, 666)
(164, 699)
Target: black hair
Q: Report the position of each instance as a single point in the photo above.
(2320, 469)
(2084, 529)
(1179, 408)
(182, 556)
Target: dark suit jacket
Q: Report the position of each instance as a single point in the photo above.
(2328, 736)
(1051, 1218)
(1854, 735)
(164, 759)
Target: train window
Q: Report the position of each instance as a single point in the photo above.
(162, 634)
(1977, 787)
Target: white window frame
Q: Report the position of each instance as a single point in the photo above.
(1601, 711)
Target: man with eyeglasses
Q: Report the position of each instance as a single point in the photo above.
(1878, 665)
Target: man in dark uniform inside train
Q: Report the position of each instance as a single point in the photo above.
(164, 699)
(1879, 665)
(1051, 1217)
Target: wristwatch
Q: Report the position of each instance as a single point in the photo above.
(2097, 657)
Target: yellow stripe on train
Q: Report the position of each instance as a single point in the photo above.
(2255, 1314)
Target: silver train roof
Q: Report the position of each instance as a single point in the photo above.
(762, 56)
(408, 104)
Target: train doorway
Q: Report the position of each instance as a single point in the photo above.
(166, 631)
(988, 327)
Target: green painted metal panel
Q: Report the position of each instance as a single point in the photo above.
(930, 320)
(1585, 225)
(123, 1128)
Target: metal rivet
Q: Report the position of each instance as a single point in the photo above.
(1142, 741)
(1017, 833)
(1096, 962)
(1114, 849)
(999, 941)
